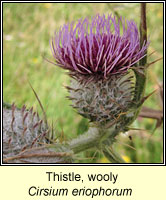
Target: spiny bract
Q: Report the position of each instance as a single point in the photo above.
(103, 101)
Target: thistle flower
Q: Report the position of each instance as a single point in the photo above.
(98, 47)
(98, 55)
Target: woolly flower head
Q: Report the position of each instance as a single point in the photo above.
(103, 46)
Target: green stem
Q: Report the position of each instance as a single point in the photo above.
(143, 32)
(101, 139)
(141, 71)
(88, 140)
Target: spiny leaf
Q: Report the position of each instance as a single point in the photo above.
(158, 124)
(146, 97)
(149, 64)
(44, 114)
(131, 147)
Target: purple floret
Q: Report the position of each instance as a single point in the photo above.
(101, 46)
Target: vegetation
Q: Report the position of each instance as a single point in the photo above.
(27, 29)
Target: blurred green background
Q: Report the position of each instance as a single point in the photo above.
(27, 29)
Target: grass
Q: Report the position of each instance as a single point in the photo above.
(27, 29)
